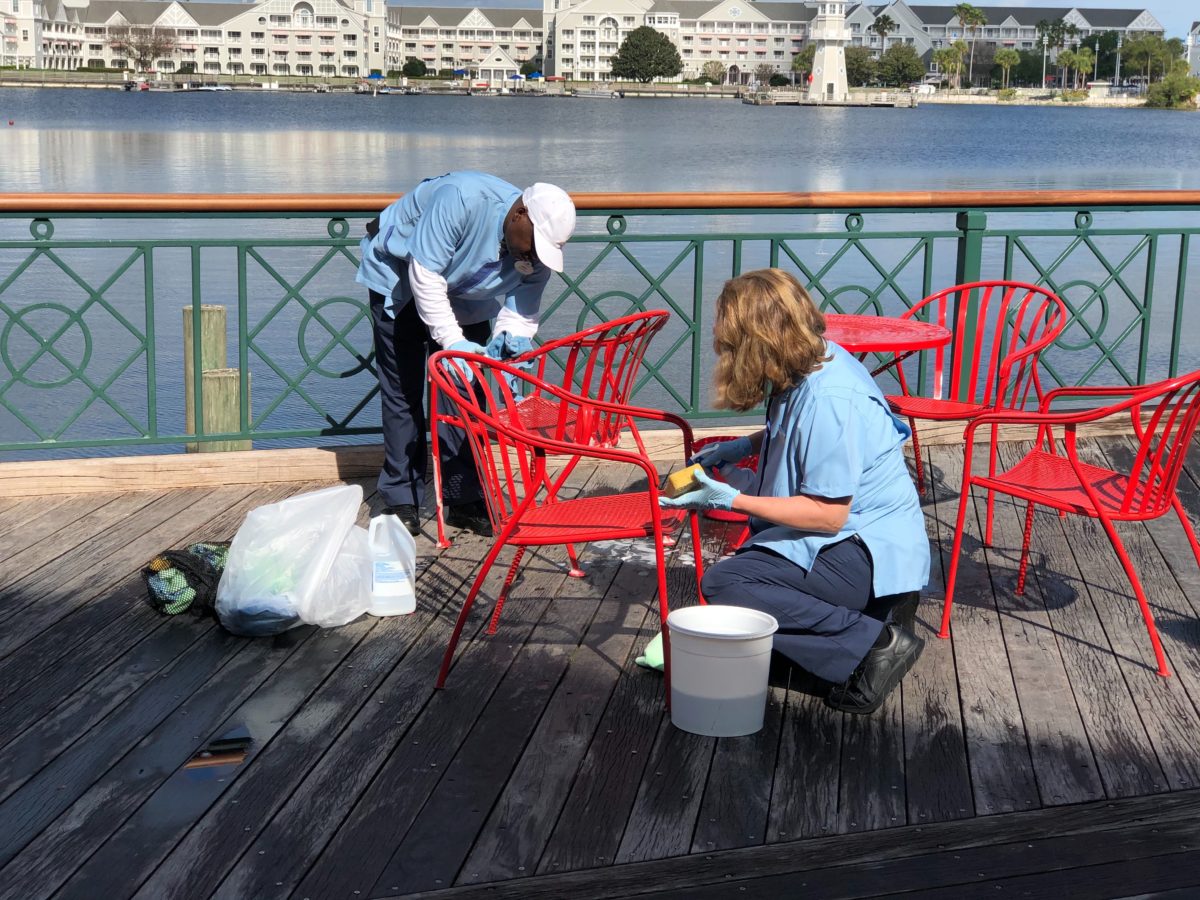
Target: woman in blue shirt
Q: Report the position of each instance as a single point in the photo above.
(836, 526)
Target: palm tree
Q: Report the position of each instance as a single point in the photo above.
(960, 52)
(969, 19)
(1066, 62)
(883, 26)
(945, 59)
(1006, 58)
(977, 19)
(1085, 61)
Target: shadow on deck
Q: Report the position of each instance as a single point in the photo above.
(157, 757)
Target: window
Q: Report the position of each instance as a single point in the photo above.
(235, 35)
(589, 20)
(257, 36)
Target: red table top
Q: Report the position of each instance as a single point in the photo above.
(882, 334)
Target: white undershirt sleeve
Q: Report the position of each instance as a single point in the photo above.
(514, 323)
(430, 293)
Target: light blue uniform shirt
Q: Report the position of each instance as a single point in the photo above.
(832, 435)
(452, 225)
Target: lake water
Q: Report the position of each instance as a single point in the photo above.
(65, 140)
(108, 140)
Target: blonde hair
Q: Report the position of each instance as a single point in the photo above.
(767, 335)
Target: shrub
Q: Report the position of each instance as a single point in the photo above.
(1006, 94)
(1173, 92)
(778, 80)
(1073, 96)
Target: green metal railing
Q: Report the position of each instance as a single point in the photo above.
(91, 289)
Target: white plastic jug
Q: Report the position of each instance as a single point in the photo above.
(393, 567)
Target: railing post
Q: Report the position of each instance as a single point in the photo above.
(971, 224)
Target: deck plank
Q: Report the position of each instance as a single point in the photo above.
(414, 833)
(1120, 744)
(96, 637)
(131, 851)
(937, 780)
(1058, 742)
(309, 775)
(26, 523)
(1002, 776)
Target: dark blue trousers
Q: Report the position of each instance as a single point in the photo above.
(822, 627)
(402, 348)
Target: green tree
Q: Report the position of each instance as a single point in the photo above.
(802, 62)
(900, 64)
(1085, 61)
(1176, 91)
(1066, 62)
(883, 26)
(529, 66)
(763, 72)
(714, 70)
(970, 19)
(1006, 58)
(414, 68)
(946, 59)
(142, 45)
(645, 55)
(960, 53)
(860, 66)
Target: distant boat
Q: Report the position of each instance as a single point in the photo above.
(601, 94)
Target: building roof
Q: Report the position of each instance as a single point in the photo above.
(1031, 15)
(450, 17)
(147, 12)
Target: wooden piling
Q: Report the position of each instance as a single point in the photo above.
(221, 412)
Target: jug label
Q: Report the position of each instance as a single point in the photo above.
(390, 573)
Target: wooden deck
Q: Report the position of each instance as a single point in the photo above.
(1037, 752)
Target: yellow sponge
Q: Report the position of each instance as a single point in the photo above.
(681, 482)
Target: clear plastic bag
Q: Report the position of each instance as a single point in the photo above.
(299, 561)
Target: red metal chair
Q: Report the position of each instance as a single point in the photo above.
(600, 362)
(1069, 485)
(522, 497)
(1014, 321)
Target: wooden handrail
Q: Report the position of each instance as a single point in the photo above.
(35, 203)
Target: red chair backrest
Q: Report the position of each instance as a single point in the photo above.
(509, 457)
(1165, 433)
(1014, 321)
(602, 362)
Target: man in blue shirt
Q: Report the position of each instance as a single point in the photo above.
(440, 264)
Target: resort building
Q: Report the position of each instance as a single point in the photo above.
(572, 39)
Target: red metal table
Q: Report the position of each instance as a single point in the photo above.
(884, 334)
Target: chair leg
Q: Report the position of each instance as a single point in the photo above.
(991, 495)
(663, 611)
(508, 582)
(442, 540)
(1136, 584)
(1026, 537)
(964, 500)
(698, 555)
(574, 571)
(466, 609)
(1187, 527)
(916, 445)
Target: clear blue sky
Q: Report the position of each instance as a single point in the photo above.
(1175, 15)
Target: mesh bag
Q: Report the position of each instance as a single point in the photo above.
(186, 580)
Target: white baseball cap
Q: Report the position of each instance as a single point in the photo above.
(553, 216)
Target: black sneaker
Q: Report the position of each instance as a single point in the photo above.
(471, 517)
(406, 513)
(878, 674)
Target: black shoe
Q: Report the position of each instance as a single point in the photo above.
(878, 674)
(406, 513)
(470, 516)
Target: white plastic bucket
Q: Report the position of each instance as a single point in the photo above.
(720, 657)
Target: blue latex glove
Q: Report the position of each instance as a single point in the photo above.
(465, 346)
(722, 453)
(504, 345)
(709, 495)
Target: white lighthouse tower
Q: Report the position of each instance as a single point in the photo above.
(828, 83)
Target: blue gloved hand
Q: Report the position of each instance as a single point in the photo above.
(465, 346)
(506, 345)
(721, 453)
(709, 495)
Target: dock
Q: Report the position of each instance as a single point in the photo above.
(1036, 753)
